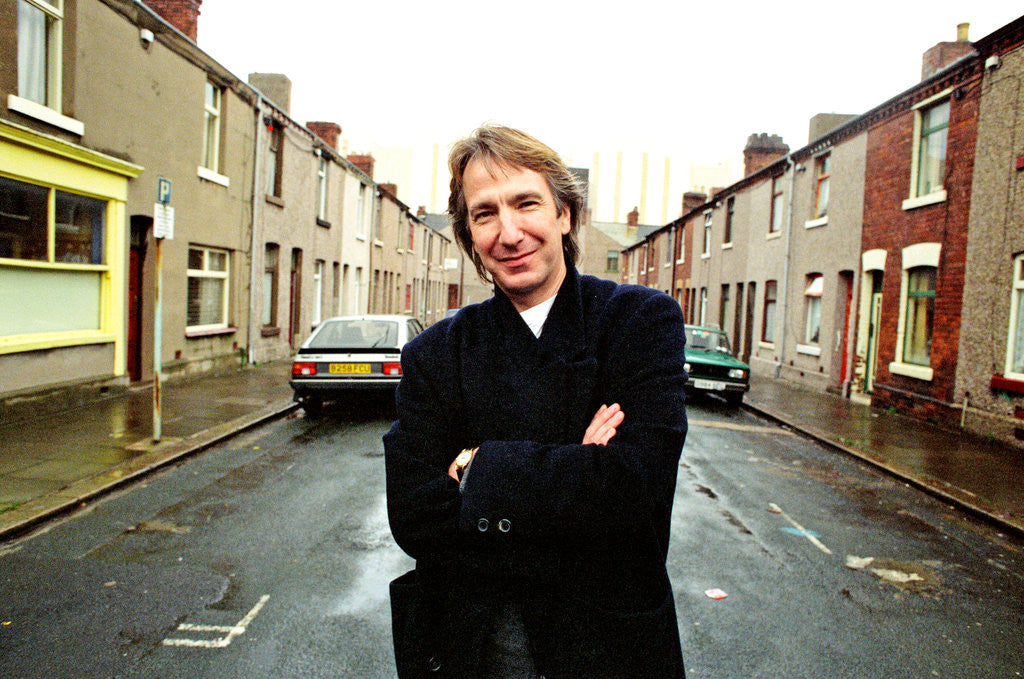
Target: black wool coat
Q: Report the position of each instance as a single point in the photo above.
(576, 535)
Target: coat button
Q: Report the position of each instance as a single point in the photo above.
(482, 525)
(504, 525)
(433, 665)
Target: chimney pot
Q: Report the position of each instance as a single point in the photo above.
(962, 29)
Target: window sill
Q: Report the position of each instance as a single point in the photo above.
(921, 201)
(208, 332)
(918, 372)
(706, 255)
(270, 331)
(360, 236)
(727, 246)
(323, 222)
(211, 176)
(812, 223)
(1012, 384)
(766, 345)
(808, 349)
(773, 234)
(275, 200)
(681, 260)
(378, 243)
(45, 114)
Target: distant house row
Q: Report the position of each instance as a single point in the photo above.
(885, 259)
(110, 115)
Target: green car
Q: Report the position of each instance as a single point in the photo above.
(711, 367)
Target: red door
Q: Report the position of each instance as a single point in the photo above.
(843, 370)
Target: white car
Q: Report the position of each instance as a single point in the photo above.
(351, 352)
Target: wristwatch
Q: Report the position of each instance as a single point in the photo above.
(462, 461)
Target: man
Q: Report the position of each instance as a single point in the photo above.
(532, 467)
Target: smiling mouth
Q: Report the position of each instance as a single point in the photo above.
(517, 260)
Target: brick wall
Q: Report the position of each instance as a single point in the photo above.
(182, 14)
(889, 227)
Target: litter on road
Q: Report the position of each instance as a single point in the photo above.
(715, 594)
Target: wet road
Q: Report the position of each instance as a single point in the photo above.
(270, 556)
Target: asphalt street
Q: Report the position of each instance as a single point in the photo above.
(269, 555)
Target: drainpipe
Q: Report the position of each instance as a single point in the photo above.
(784, 310)
(257, 160)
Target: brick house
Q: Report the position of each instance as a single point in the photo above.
(917, 195)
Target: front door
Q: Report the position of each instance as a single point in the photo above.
(139, 225)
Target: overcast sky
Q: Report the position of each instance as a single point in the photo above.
(641, 75)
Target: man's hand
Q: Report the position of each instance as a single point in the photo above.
(452, 470)
(602, 427)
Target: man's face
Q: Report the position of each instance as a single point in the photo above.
(516, 230)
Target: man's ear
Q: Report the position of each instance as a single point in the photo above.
(565, 221)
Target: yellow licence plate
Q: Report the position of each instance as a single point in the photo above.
(349, 369)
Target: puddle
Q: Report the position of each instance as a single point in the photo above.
(908, 576)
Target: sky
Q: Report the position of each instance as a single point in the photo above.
(672, 79)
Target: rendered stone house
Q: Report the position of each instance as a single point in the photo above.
(989, 389)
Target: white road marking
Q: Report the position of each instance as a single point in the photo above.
(814, 541)
(229, 631)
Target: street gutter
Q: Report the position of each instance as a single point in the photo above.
(965, 504)
(32, 514)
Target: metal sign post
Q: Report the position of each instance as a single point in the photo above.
(163, 227)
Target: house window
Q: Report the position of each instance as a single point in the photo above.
(612, 262)
(707, 233)
(680, 239)
(39, 51)
(412, 235)
(270, 284)
(211, 129)
(274, 159)
(919, 314)
(730, 208)
(812, 308)
(361, 211)
(321, 190)
(207, 288)
(768, 324)
(823, 168)
(775, 224)
(668, 250)
(318, 291)
(703, 306)
(1015, 343)
(723, 307)
(930, 166)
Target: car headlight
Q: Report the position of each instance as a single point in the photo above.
(686, 367)
(738, 374)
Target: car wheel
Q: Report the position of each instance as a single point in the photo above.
(734, 399)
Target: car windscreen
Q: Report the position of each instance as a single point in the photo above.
(356, 334)
(706, 339)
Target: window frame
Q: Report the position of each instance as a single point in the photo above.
(1016, 318)
(730, 211)
(611, 264)
(271, 258)
(321, 190)
(275, 151)
(708, 224)
(207, 273)
(776, 211)
(54, 16)
(913, 257)
(212, 120)
(771, 297)
(813, 293)
(823, 173)
(936, 195)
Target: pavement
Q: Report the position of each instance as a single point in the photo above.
(47, 470)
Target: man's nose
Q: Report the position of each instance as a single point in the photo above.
(509, 233)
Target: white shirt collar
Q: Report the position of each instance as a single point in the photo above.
(535, 316)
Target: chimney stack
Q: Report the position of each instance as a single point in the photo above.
(277, 87)
(633, 218)
(945, 53)
(762, 150)
(182, 14)
(692, 200)
(364, 162)
(421, 211)
(390, 189)
(329, 132)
